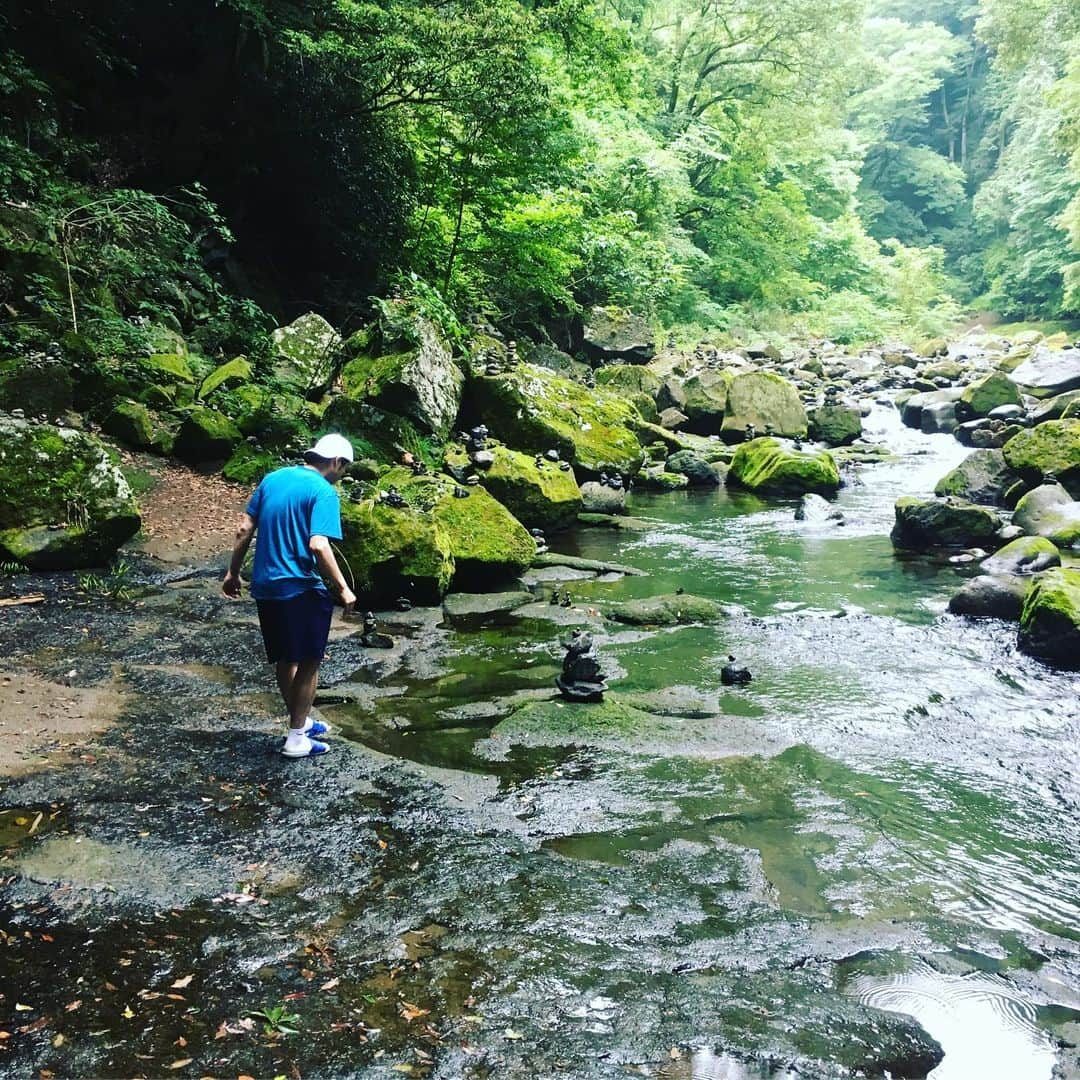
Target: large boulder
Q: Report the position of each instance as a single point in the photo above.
(1048, 511)
(423, 382)
(984, 395)
(305, 352)
(764, 400)
(134, 424)
(1024, 555)
(232, 373)
(601, 499)
(764, 465)
(943, 523)
(835, 425)
(1054, 408)
(618, 337)
(539, 494)
(992, 596)
(1048, 372)
(911, 408)
(1051, 449)
(39, 386)
(530, 408)
(1050, 620)
(629, 379)
(982, 477)
(206, 435)
(435, 541)
(704, 400)
(63, 503)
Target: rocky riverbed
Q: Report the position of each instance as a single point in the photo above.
(861, 862)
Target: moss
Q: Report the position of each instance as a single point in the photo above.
(377, 434)
(39, 389)
(666, 610)
(661, 481)
(539, 496)
(206, 435)
(249, 464)
(951, 523)
(765, 466)
(629, 379)
(134, 424)
(237, 370)
(763, 399)
(531, 408)
(1050, 619)
(557, 721)
(168, 367)
(1052, 448)
(63, 503)
(980, 397)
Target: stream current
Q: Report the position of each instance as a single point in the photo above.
(891, 803)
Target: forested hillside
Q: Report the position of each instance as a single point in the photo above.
(850, 170)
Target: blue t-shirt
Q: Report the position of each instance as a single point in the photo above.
(291, 506)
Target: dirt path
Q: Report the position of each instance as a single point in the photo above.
(188, 515)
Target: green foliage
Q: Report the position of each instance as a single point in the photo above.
(114, 584)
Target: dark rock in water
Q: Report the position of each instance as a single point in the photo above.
(371, 638)
(403, 603)
(982, 477)
(672, 609)
(1050, 620)
(835, 425)
(987, 394)
(951, 523)
(912, 409)
(581, 678)
(730, 675)
(698, 472)
(938, 418)
(992, 596)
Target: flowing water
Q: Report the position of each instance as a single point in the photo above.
(892, 800)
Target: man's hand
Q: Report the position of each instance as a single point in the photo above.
(232, 583)
(348, 599)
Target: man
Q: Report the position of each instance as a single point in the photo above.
(297, 513)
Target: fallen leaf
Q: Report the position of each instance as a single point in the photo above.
(181, 1063)
(402, 1069)
(109, 986)
(23, 1008)
(244, 1076)
(37, 1025)
(330, 985)
(222, 1031)
(674, 1053)
(182, 984)
(71, 1006)
(127, 1014)
(181, 1042)
(411, 1012)
(307, 974)
(4, 1035)
(47, 937)
(384, 845)
(510, 1033)
(58, 1041)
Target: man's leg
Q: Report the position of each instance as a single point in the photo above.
(286, 674)
(302, 696)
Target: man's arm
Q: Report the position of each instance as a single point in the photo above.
(244, 533)
(324, 558)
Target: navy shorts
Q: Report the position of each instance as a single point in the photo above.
(297, 628)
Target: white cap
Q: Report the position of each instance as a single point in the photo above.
(332, 446)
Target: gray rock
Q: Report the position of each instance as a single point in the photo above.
(470, 606)
(1053, 408)
(698, 472)
(912, 408)
(835, 425)
(991, 596)
(815, 508)
(982, 477)
(923, 524)
(938, 417)
(1025, 555)
(672, 609)
(1048, 372)
(598, 498)
(306, 351)
(1049, 511)
(673, 419)
(618, 337)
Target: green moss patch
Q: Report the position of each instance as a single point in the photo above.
(1050, 619)
(765, 466)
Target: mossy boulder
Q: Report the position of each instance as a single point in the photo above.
(656, 479)
(612, 336)
(539, 495)
(922, 524)
(1049, 512)
(166, 368)
(206, 435)
(765, 466)
(672, 609)
(233, 372)
(1051, 449)
(982, 477)
(63, 503)
(376, 434)
(835, 425)
(704, 398)
(765, 400)
(531, 408)
(137, 426)
(1024, 555)
(1050, 620)
(423, 383)
(249, 464)
(932, 347)
(305, 352)
(982, 396)
(395, 552)
(40, 387)
(558, 722)
(698, 471)
(435, 541)
(1049, 372)
(629, 379)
